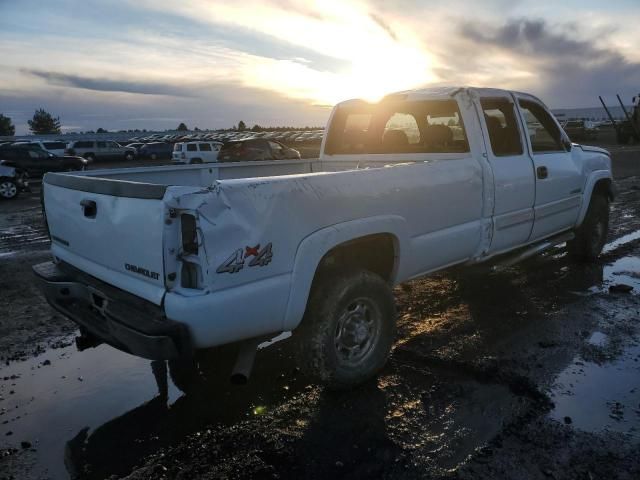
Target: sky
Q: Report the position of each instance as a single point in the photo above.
(126, 64)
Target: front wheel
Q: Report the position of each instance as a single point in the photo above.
(348, 328)
(592, 234)
(8, 189)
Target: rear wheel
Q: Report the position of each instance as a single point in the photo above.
(592, 234)
(348, 329)
(128, 156)
(196, 161)
(153, 156)
(8, 189)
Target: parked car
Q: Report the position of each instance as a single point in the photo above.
(12, 181)
(156, 151)
(57, 148)
(256, 149)
(100, 150)
(196, 152)
(581, 130)
(214, 255)
(36, 161)
(136, 146)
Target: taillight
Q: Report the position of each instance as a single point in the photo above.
(189, 234)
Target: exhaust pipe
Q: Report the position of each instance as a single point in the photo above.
(244, 363)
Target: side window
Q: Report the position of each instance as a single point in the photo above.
(502, 126)
(113, 145)
(204, 147)
(544, 133)
(276, 148)
(37, 154)
(101, 144)
(192, 147)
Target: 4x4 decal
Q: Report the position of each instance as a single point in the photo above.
(236, 261)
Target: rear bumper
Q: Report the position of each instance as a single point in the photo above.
(113, 316)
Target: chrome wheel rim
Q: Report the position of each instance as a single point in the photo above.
(8, 190)
(356, 332)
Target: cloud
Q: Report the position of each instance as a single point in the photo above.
(109, 85)
(565, 65)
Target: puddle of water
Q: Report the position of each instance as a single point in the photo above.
(50, 404)
(99, 409)
(609, 247)
(625, 270)
(601, 397)
(598, 339)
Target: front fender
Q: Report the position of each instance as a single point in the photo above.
(593, 178)
(313, 248)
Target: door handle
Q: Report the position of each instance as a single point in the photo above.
(89, 208)
(542, 172)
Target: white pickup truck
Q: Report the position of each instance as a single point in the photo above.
(164, 262)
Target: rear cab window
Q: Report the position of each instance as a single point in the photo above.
(433, 126)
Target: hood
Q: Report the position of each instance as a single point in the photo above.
(589, 148)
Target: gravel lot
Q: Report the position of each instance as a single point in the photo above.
(531, 373)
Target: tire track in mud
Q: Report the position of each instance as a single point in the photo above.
(21, 231)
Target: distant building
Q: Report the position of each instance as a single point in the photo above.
(595, 114)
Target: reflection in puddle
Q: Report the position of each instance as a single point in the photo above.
(50, 403)
(601, 397)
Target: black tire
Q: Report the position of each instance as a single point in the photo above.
(153, 156)
(592, 234)
(348, 328)
(196, 161)
(90, 156)
(129, 156)
(8, 189)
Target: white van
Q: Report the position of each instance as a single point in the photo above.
(196, 152)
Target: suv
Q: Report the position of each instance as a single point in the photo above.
(196, 152)
(36, 161)
(255, 149)
(100, 150)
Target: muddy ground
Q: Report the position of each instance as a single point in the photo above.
(530, 373)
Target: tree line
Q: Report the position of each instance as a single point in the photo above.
(43, 123)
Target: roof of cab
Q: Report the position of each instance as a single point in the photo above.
(438, 93)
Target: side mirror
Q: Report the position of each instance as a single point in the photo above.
(567, 144)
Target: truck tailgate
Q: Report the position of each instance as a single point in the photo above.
(111, 229)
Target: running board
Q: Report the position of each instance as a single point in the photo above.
(533, 250)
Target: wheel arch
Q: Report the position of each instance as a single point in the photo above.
(359, 242)
(598, 183)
